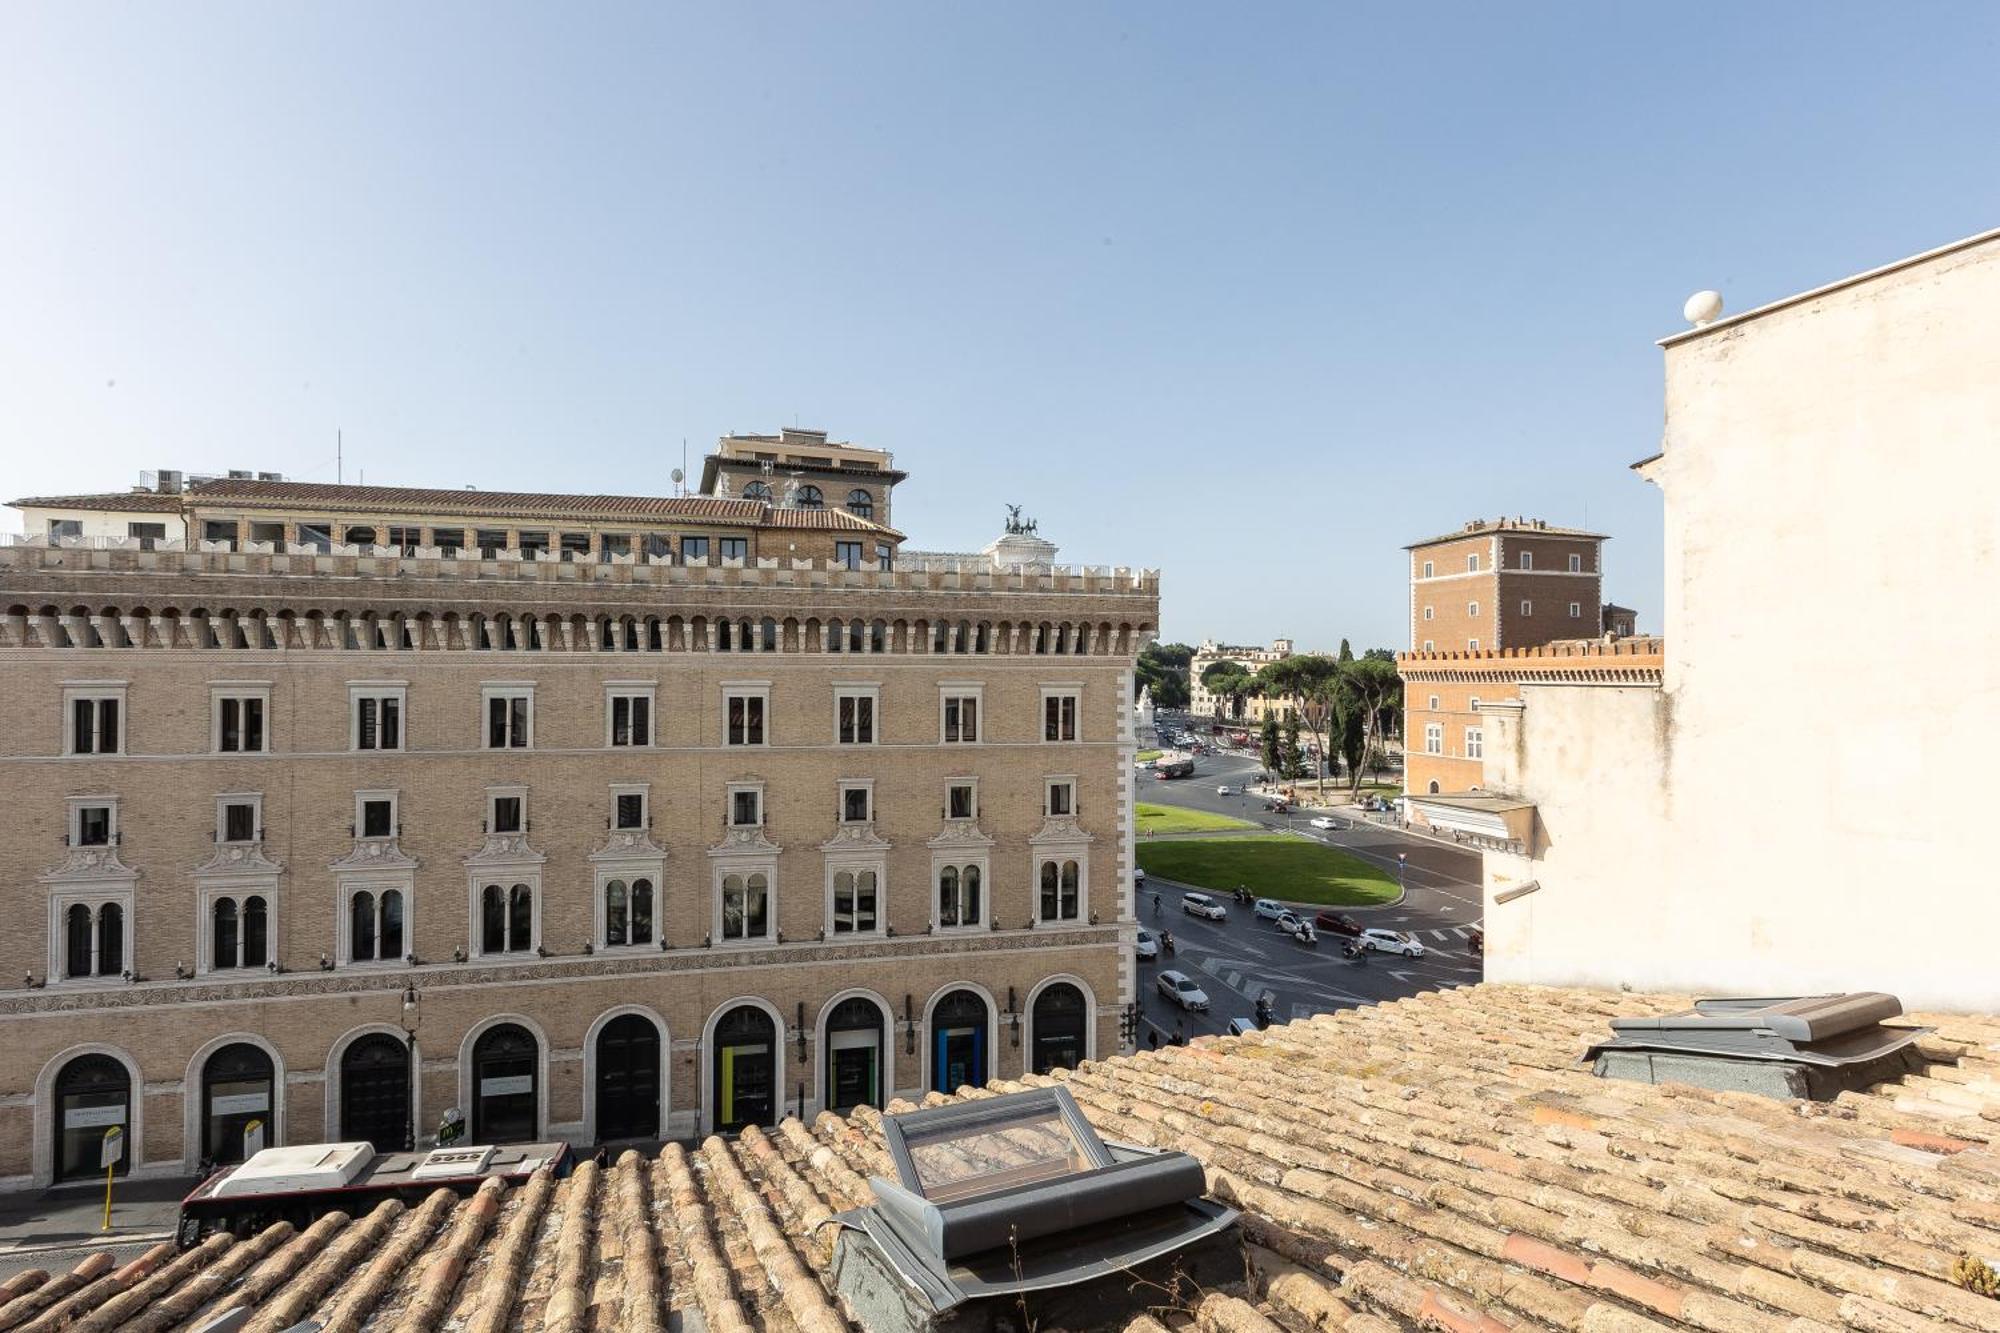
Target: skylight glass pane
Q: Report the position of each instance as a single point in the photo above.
(958, 1161)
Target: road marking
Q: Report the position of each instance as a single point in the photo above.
(1439, 935)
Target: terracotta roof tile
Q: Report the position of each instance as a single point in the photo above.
(112, 501)
(1440, 1162)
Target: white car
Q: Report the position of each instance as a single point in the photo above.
(1291, 923)
(1148, 945)
(1389, 941)
(1200, 904)
(1321, 821)
(1225, 790)
(1268, 909)
(1180, 988)
(1139, 877)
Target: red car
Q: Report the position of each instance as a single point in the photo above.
(1339, 923)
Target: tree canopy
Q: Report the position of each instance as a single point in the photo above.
(1157, 671)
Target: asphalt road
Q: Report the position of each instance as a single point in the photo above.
(1238, 959)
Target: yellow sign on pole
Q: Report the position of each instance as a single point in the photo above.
(107, 1157)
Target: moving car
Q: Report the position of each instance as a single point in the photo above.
(1339, 923)
(1321, 821)
(1148, 945)
(1292, 923)
(1241, 1027)
(1268, 909)
(1139, 877)
(1200, 904)
(1225, 790)
(1180, 988)
(1390, 941)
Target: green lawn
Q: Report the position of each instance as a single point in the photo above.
(1151, 819)
(1147, 756)
(1270, 866)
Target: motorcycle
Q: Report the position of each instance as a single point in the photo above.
(1354, 951)
(1167, 940)
(1306, 935)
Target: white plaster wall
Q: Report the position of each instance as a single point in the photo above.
(35, 522)
(1832, 482)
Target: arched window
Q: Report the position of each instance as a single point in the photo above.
(854, 901)
(236, 1089)
(958, 1041)
(361, 926)
(617, 914)
(746, 906)
(520, 918)
(768, 636)
(853, 1062)
(642, 911)
(833, 636)
(878, 637)
(375, 1092)
(810, 497)
(860, 503)
(628, 1079)
(1057, 1028)
(492, 919)
(110, 940)
(505, 1077)
(1060, 891)
(93, 1093)
(1434, 787)
(222, 944)
(391, 933)
(758, 491)
(744, 1078)
(958, 896)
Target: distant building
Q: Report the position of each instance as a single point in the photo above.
(1203, 704)
(803, 469)
(1780, 814)
(1478, 596)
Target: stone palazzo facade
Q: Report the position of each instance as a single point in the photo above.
(314, 839)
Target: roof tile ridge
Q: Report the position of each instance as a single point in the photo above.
(644, 1307)
(326, 1273)
(359, 1297)
(803, 1297)
(687, 1211)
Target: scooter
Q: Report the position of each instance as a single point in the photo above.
(1354, 951)
(1307, 936)
(1167, 940)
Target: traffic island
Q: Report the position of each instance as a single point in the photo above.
(1270, 865)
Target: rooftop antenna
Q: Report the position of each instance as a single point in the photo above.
(337, 446)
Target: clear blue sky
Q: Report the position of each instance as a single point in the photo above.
(1255, 294)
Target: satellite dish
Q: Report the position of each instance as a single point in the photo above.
(679, 476)
(1703, 308)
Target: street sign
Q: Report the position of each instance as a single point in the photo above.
(113, 1147)
(253, 1139)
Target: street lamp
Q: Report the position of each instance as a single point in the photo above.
(1402, 864)
(412, 1016)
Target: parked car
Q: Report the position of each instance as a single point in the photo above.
(1148, 945)
(1268, 909)
(1180, 988)
(1200, 904)
(1225, 790)
(1338, 923)
(1241, 1027)
(1390, 941)
(1321, 821)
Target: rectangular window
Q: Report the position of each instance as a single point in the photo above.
(847, 554)
(961, 800)
(1527, 608)
(95, 724)
(854, 716)
(1434, 703)
(856, 895)
(1576, 564)
(1059, 717)
(449, 541)
(506, 814)
(61, 529)
(406, 539)
(1061, 798)
(961, 719)
(532, 545)
(857, 802)
(1428, 613)
(1434, 738)
(1475, 743)
(268, 534)
(1527, 559)
(1472, 563)
(746, 906)
(694, 548)
(659, 546)
(575, 546)
(628, 809)
(491, 542)
(1576, 610)
(378, 719)
(147, 533)
(632, 718)
(746, 807)
(733, 548)
(1472, 645)
(238, 820)
(316, 535)
(1430, 645)
(375, 815)
(225, 530)
(744, 716)
(96, 825)
(611, 544)
(510, 719)
(885, 556)
(1472, 609)
(1429, 569)
(239, 723)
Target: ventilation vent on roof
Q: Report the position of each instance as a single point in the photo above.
(241, 474)
(270, 476)
(1813, 1046)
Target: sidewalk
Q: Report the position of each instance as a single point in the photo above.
(73, 1215)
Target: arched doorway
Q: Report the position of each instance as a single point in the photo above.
(1057, 1028)
(93, 1093)
(628, 1079)
(236, 1090)
(854, 1046)
(375, 1092)
(746, 1069)
(958, 1041)
(504, 1061)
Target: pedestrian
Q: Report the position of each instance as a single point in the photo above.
(1180, 1034)
(602, 1157)
(1152, 1039)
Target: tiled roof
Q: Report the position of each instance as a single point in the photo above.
(151, 502)
(409, 501)
(1510, 527)
(1440, 1162)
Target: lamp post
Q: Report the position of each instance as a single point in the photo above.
(412, 1016)
(1402, 864)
